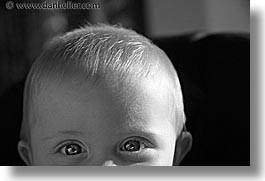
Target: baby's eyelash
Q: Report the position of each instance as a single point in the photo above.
(134, 144)
(74, 145)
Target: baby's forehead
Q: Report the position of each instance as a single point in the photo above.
(130, 88)
(145, 100)
(113, 83)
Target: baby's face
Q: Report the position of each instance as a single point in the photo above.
(105, 124)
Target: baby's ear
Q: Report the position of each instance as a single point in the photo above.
(25, 152)
(183, 146)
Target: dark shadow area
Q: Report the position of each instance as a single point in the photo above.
(214, 73)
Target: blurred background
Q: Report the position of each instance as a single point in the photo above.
(206, 40)
(24, 32)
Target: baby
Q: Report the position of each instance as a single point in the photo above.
(103, 96)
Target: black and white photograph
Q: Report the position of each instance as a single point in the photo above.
(125, 83)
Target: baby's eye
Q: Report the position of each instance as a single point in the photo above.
(134, 144)
(71, 149)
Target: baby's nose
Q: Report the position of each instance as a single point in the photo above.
(109, 163)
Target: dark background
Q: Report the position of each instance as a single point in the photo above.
(207, 41)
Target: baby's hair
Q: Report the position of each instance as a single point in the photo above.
(98, 51)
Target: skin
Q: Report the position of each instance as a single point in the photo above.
(101, 119)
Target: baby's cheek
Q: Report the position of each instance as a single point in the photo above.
(166, 152)
(160, 160)
(41, 154)
(159, 157)
(165, 158)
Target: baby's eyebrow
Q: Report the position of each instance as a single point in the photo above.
(155, 137)
(64, 132)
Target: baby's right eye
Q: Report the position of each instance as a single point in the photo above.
(71, 152)
(72, 148)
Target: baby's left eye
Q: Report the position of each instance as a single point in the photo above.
(134, 145)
